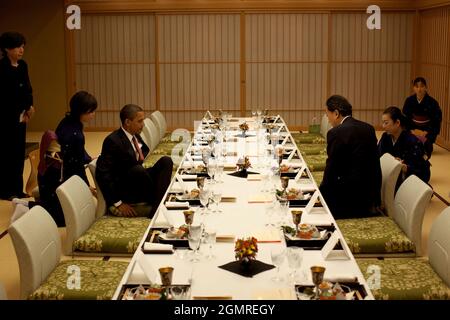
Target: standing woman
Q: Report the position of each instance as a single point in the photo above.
(16, 109)
(424, 114)
(403, 145)
(71, 136)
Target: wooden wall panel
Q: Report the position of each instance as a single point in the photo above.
(115, 61)
(286, 64)
(434, 61)
(199, 64)
(372, 68)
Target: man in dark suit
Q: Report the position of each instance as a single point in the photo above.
(120, 174)
(351, 183)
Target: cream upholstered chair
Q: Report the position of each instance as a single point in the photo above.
(425, 279)
(324, 126)
(86, 235)
(101, 203)
(2, 292)
(390, 170)
(159, 120)
(153, 133)
(42, 276)
(400, 235)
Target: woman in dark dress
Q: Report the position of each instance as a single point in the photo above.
(71, 137)
(16, 109)
(403, 145)
(424, 115)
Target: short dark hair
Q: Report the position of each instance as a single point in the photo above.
(11, 40)
(420, 79)
(82, 102)
(396, 114)
(339, 103)
(129, 111)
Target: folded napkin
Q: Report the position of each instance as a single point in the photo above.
(341, 278)
(158, 247)
(188, 176)
(254, 177)
(274, 294)
(259, 198)
(254, 268)
(225, 238)
(172, 205)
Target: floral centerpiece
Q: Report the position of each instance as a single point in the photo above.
(243, 163)
(245, 250)
(244, 128)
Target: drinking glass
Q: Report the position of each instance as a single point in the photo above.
(212, 169)
(283, 210)
(204, 199)
(216, 198)
(194, 244)
(277, 254)
(210, 237)
(295, 259)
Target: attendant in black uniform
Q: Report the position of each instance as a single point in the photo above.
(16, 107)
(424, 114)
(71, 137)
(120, 174)
(351, 183)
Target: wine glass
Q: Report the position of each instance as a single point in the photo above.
(210, 237)
(178, 292)
(219, 171)
(270, 208)
(204, 199)
(216, 198)
(317, 278)
(283, 209)
(200, 182)
(194, 244)
(277, 254)
(294, 258)
(212, 169)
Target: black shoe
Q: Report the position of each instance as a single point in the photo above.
(20, 196)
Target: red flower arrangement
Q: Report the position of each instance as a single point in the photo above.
(246, 248)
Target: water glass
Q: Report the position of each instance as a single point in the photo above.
(278, 255)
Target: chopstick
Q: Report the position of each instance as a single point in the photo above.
(212, 298)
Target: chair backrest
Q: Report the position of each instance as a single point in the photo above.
(324, 126)
(153, 132)
(79, 208)
(439, 246)
(32, 179)
(390, 170)
(145, 135)
(410, 203)
(2, 292)
(37, 244)
(160, 121)
(101, 203)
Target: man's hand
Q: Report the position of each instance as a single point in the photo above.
(126, 210)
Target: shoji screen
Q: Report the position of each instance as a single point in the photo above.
(372, 68)
(199, 65)
(286, 64)
(115, 60)
(434, 61)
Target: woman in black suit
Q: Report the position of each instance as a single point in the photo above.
(403, 145)
(71, 136)
(16, 107)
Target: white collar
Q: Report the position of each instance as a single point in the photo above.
(129, 135)
(344, 119)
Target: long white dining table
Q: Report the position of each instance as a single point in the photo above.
(246, 216)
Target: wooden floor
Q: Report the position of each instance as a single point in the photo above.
(9, 268)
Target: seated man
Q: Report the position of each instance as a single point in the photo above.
(120, 174)
(351, 183)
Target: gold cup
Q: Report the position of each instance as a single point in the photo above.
(188, 216)
(296, 218)
(200, 182)
(166, 275)
(317, 278)
(284, 182)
